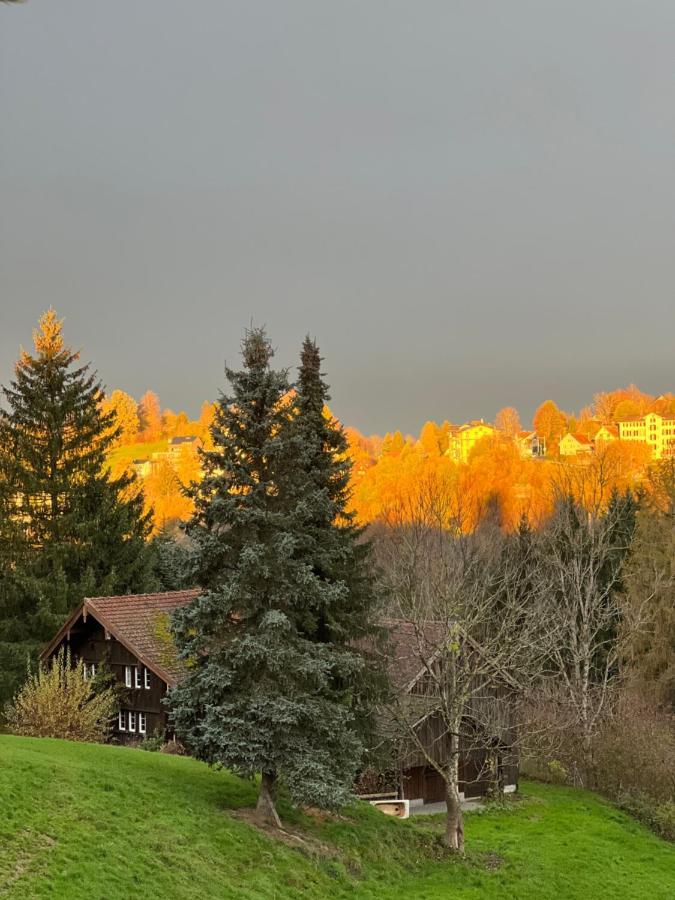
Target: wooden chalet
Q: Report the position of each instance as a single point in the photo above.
(129, 635)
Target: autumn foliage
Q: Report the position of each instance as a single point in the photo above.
(500, 478)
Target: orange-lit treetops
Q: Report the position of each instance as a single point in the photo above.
(479, 468)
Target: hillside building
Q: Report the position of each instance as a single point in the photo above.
(657, 432)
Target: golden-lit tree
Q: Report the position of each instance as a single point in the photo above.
(150, 413)
(430, 439)
(176, 424)
(550, 423)
(507, 421)
(393, 444)
(164, 496)
(125, 413)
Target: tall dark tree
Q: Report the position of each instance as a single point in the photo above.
(270, 677)
(330, 541)
(69, 528)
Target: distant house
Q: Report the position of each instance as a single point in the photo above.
(129, 635)
(606, 434)
(176, 444)
(176, 447)
(530, 444)
(142, 467)
(465, 438)
(575, 443)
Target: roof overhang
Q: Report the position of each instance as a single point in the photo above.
(88, 608)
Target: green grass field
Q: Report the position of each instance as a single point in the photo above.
(87, 821)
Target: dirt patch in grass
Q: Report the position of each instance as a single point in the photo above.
(292, 837)
(492, 861)
(29, 848)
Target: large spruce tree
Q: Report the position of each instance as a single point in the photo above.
(332, 543)
(270, 677)
(68, 528)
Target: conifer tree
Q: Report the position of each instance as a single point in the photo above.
(270, 679)
(69, 528)
(331, 541)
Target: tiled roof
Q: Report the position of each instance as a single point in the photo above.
(580, 438)
(183, 439)
(140, 621)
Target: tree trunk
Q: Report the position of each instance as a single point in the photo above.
(454, 819)
(265, 809)
(495, 775)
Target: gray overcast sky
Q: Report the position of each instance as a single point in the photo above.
(469, 203)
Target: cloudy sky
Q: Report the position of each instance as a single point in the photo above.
(470, 203)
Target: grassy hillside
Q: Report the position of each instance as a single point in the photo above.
(129, 452)
(105, 822)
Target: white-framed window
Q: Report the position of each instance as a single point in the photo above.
(137, 677)
(142, 723)
(128, 676)
(146, 679)
(122, 720)
(132, 720)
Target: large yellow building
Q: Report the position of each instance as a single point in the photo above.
(655, 431)
(465, 438)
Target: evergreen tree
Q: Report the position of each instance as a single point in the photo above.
(330, 541)
(69, 528)
(269, 684)
(172, 560)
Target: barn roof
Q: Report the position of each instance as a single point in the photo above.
(410, 646)
(139, 622)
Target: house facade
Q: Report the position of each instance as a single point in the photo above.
(129, 637)
(657, 432)
(463, 439)
(574, 444)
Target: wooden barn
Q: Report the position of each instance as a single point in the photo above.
(129, 635)
(483, 757)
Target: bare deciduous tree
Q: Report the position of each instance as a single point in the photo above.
(476, 638)
(577, 586)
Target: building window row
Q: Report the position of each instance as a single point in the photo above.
(137, 677)
(131, 721)
(88, 670)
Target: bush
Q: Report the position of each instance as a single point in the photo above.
(557, 773)
(59, 702)
(635, 750)
(660, 817)
(173, 748)
(153, 743)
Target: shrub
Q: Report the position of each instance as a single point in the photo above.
(635, 750)
(660, 817)
(173, 748)
(153, 743)
(557, 772)
(59, 702)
